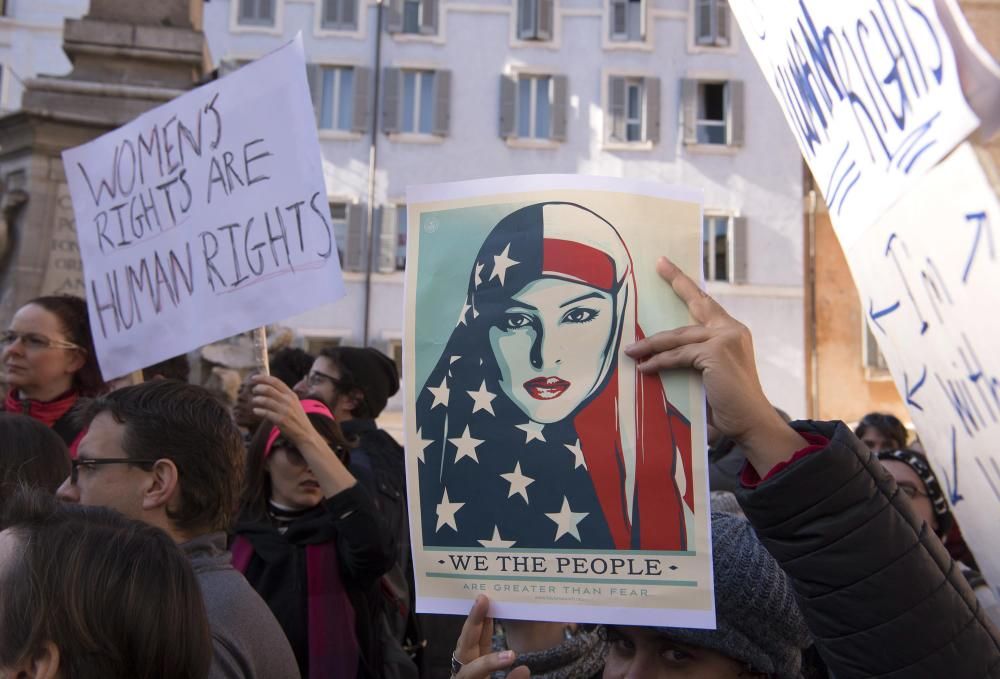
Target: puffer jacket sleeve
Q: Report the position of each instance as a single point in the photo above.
(879, 591)
(364, 544)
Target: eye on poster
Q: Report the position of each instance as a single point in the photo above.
(543, 469)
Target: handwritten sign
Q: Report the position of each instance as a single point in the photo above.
(870, 91)
(928, 273)
(205, 217)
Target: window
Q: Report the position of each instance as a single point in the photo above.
(416, 101)
(412, 16)
(5, 9)
(534, 19)
(391, 239)
(394, 349)
(314, 344)
(256, 12)
(336, 98)
(338, 216)
(348, 221)
(340, 97)
(872, 355)
(713, 112)
(633, 109)
(340, 15)
(723, 242)
(628, 20)
(533, 106)
(711, 23)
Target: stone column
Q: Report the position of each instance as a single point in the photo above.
(128, 57)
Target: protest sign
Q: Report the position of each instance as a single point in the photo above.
(928, 273)
(205, 217)
(870, 91)
(543, 469)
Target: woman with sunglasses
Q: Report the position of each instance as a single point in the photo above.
(49, 362)
(309, 538)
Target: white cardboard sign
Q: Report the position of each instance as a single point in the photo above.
(928, 273)
(205, 217)
(870, 91)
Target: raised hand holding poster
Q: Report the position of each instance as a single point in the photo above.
(205, 217)
(543, 468)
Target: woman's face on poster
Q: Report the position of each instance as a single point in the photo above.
(550, 344)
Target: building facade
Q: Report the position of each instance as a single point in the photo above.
(31, 33)
(662, 90)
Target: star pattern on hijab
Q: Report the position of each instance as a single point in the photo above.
(501, 263)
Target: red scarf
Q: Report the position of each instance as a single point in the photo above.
(46, 412)
(333, 644)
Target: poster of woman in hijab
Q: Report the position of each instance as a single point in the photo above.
(530, 433)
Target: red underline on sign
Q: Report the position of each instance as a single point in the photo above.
(308, 266)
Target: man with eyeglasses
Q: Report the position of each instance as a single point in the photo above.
(167, 453)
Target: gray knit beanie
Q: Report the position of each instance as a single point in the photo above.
(758, 620)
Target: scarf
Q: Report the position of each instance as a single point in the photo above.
(579, 657)
(333, 644)
(50, 413)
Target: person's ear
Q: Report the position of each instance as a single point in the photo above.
(164, 485)
(41, 664)
(356, 397)
(78, 361)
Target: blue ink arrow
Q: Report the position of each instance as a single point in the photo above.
(911, 392)
(875, 315)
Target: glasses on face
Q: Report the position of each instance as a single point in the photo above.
(316, 378)
(34, 342)
(74, 471)
(911, 491)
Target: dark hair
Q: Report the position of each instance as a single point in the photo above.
(258, 486)
(176, 368)
(290, 365)
(115, 596)
(361, 411)
(887, 425)
(72, 314)
(183, 423)
(31, 454)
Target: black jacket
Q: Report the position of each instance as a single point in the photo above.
(878, 590)
(365, 551)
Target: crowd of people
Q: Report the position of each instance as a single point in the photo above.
(151, 531)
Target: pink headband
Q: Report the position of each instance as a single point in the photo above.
(311, 407)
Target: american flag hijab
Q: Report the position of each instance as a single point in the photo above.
(575, 457)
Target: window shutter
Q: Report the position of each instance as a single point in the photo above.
(314, 73)
(652, 92)
(508, 106)
(616, 108)
(643, 12)
(546, 13)
(349, 14)
(619, 19)
(442, 103)
(560, 104)
(736, 110)
(394, 16)
(362, 98)
(354, 258)
(386, 239)
(428, 16)
(739, 250)
(391, 81)
(526, 18)
(331, 15)
(689, 110)
(721, 22)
